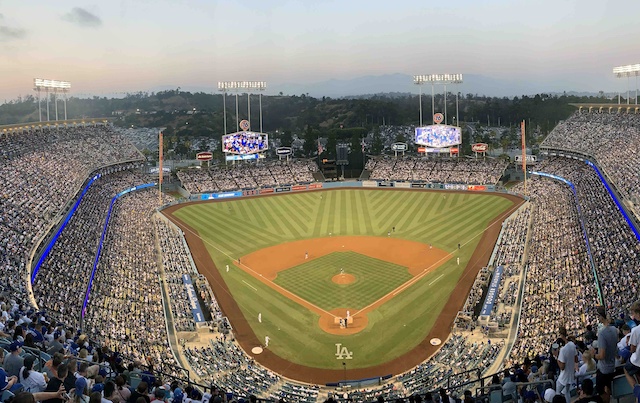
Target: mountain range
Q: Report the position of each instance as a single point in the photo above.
(403, 84)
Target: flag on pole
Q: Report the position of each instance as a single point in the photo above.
(363, 144)
(319, 147)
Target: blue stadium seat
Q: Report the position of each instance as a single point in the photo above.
(6, 395)
(620, 388)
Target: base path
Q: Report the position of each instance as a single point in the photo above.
(415, 256)
(441, 328)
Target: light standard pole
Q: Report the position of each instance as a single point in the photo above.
(419, 80)
(420, 102)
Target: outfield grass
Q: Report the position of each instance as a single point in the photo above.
(312, 281)
(235, 228)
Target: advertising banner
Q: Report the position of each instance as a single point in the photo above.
(479, 147)
(385, 184)
(369, 184)
(281, 189)
(403, 185)
(399, 147)
(243, 157)
(479, 188)
(196, 310)
(283, 151)
(531, 159)
(492, 292)
(299, 187)
(204, 156)
(455, 186)
(418, 185)
(266, 191)
(315, 186)
(437, 150)
(225, 195)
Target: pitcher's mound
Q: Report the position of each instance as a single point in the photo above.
(343, 278)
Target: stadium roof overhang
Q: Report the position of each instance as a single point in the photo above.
(602, 107)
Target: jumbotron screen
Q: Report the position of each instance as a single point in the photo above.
(438, 136)
(245, 143)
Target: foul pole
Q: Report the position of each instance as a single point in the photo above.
(160, 170)
(524, 157)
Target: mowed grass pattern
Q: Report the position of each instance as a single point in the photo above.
(234, 228)
(312, 281)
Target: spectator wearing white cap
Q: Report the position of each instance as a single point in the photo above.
(549, 394)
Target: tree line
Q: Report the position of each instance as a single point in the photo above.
(188, 116)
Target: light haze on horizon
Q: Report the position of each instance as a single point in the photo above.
(110, 47)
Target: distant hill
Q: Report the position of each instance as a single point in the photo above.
(402, 84)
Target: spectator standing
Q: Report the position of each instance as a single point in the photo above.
(606, 352)
(567, 359)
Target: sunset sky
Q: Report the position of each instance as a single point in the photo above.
(110, 47)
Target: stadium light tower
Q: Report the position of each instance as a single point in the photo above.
(628, 71)
(55, 86)
(226, 86)
(434, 79)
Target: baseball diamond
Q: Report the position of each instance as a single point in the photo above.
(373, 270)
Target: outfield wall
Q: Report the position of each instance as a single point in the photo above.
(336, 185)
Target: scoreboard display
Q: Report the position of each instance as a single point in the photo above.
(438, 136)
(245, 143)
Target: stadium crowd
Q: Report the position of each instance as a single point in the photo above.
(175, 263)
(458, 170)
(559, 288)
(614, 247)
(41, 169)
(611, 138)
(60, 283)
(126, 286)
(247, 176)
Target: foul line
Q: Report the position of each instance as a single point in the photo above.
(437, 278)
(250, 286)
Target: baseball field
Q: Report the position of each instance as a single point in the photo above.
(352, 279)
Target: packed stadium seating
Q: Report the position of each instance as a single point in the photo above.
(456, 170)
(247, 176)
(554, 244)
(613, 139)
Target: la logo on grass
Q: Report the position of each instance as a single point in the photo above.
(342, 353)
